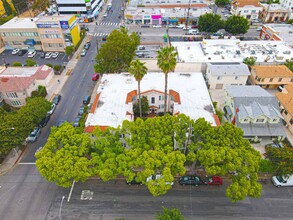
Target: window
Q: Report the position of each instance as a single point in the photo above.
(16, 103)
(291, 80)
(245, 11)
(236, 77)
(280, 79)
(153, 100)
(286, 113)
(160, 97)
(261, 120)
(219, 78)
(11, 95)
(271, 79)
(263, 79)
(253, 11)
(245, 120)
(291, 121)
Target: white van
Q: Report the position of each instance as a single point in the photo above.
(193, 31)
(286, 180)
(180, 26)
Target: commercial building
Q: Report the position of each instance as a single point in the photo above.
(286, 104)
(274, 13)
(47, 33)
(58, 32)
(17, 83)
(249, 9)
(271, 76)
(187, 94)
(168, 3)
(278, 32)
(84, 8)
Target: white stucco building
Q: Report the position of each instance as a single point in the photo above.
(288, 4)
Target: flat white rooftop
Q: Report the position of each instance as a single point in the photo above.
(232, 50)
(112, 108)
(285, 31)
(22, 23)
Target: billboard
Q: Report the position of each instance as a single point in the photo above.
(47, 25)
(64, 24)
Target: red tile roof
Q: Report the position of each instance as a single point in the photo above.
(18, 83)
(176, 96)
(130, 95)
(242, 3)
(95, 104)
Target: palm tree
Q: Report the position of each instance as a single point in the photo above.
(167, 63)
(138, 70)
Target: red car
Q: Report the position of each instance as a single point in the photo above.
(95, 77)
(214, 180)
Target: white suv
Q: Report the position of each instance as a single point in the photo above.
(31, 53)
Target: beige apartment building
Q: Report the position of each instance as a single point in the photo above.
(274, 13)
(271, 76)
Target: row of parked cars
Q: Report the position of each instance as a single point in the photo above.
(32, 53)
(85, 48)
(184, 180)
(33, 136)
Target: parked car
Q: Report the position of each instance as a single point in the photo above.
(56, 99)
(141, 47)
(190, 180)
(42, 55)
(87, 45)
(83, 52)
(60, 123)
(55, 54)
(104, 38)
(45, 120)
(286, 180)
(275, 144)
(95, 77)
(76, 121)
(140, 54)
(259, 28)
(53, 107)
(48, 55)
(31, 54)
(22, 52)
(180, 26)
(156, 177)
(86, 99)
(214, 180)
(15, 51)
(186, 28)
(34, 135)
(171, 26)
(134, 181)
(157, 26)
(81, 110)
(105, 15)
(193, 31)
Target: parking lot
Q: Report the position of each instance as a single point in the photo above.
(7, 58)
(148, 51)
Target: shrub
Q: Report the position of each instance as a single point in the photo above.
(69, 50)
(57, 67)
(16, 64)
(266, 166)
(30, 62)
(49, 64)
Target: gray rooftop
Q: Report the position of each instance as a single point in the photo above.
(231, 69)
(247, 91)
(285, 31)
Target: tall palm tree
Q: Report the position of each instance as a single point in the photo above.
(166, 61)
(138, 70)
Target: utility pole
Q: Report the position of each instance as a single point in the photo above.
(187, 17)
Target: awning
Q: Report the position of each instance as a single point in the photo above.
(30, 42)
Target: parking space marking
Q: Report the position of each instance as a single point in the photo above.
(65, 112)
(63, 57)
(86, 195)
(72, 98)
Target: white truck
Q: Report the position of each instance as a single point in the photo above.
(286, 180)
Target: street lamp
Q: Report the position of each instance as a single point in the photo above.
(63, 197)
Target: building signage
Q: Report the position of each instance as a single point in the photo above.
(146, 17)
(48, 25)
(129, 16)
(156, 17)
(64, 24)
(51, 31)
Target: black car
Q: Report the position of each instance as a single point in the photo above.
(76, 121)
(87, 46)
(134, 181)
(81, 110)
(42, 55)
(86, 99)
(190, 180)
(104, 38)
(56, 99)
(21, 52)
(45, 121)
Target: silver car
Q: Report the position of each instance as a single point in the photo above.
(34, 135)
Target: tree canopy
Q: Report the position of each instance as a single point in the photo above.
(210, 23)
(249, 61)
(222, 2)
(170, 214)
(237, 25)
(289, 64)
(40, 5)
(117, 53)
(160, 145)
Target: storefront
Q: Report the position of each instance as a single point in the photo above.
(146, 19)
(156, 19)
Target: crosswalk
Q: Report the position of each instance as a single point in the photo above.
(108, 24)
(98, 34)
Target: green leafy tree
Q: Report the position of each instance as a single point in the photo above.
(282, 159)
(138, 70)
(144, 107)
(290, 21)
(117, 53)
(289, 64)
(64, 157)
(210, 23)
(16, 64)
(222, 2)
(249, 61)
(170, 214)
(237, 25)
(7, 7)
(40, 5)
(266, 166)
(30, 62)
(166, 61)
(69, 50)
(20, 5)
